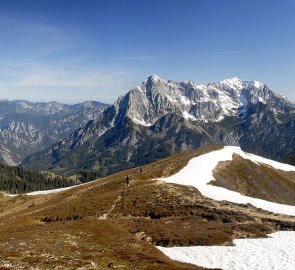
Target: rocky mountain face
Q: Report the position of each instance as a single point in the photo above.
(27, 127)
(159, 118)
(211, 103)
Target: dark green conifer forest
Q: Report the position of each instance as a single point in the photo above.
(16, 180)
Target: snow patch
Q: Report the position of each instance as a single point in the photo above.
(243, 103)
(50, 191)
(258, 84)
(139, 89)
(220, 117)
(276, 252)
(227, 103)
(261, 100)
(199, 172)
(44, 192)
(155, 77)
(141, 122)
(188, 116)
(171, 99)
(26, 105)
(185, 100)
(234, 83)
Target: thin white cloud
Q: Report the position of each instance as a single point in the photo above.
(44, 62)
(26, 39)
(59, 76)
(68, 78)
(33, 81)
(41, 61)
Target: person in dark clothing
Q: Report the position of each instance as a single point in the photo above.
(127, 180)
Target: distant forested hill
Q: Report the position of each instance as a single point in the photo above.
(19, 180)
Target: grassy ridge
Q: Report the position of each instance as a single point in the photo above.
(114, 223)
(259, 181)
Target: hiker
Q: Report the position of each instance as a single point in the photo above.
(127, 180)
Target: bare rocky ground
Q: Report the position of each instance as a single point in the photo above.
(113, 223)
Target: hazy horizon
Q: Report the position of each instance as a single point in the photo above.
(35, 100)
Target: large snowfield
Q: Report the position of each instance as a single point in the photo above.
(276, 253)
(199, 172)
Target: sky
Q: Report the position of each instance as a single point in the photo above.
(77, 50)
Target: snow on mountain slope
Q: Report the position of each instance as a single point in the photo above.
(232, 112)
(248, 254)
(199, 172)
(194, 101)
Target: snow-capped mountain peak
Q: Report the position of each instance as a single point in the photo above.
(237, 83)
(163, 115)
(234, 83)
(258, 84)
(155, 97)
(155, 77)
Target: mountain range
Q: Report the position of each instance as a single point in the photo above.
(27, 127)
(162, 117)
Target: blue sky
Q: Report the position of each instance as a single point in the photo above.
(78, 50)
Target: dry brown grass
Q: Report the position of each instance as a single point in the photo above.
(106, 224)
(259, 181)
